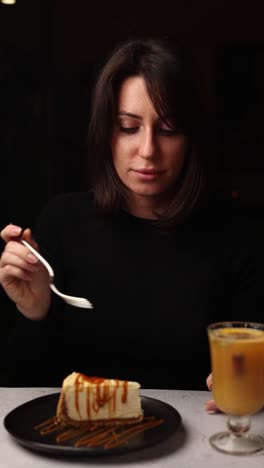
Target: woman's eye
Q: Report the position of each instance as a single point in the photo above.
(168, 131)
(128, 129)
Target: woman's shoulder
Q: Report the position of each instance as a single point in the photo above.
(225, 217)
(238, 223)
(68, 203)
(63, 210)
(224, 209)
(71, 199)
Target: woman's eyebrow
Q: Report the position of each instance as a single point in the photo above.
(133, 116)
(129, 114)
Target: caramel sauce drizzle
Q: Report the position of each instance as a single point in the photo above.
(124, 396)
(94, 435)
(102, 395)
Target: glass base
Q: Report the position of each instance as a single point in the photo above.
(237, 445)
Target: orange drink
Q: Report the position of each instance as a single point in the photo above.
(237, 360)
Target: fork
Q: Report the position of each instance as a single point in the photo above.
(72, 300)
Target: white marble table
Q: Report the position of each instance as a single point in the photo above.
(188, 448)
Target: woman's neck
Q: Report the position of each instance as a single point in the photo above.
(147, 207)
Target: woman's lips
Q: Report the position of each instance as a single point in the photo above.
(147, 171)
(147, 174)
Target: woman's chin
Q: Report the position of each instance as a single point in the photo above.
(148, 191)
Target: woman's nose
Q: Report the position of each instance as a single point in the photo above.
(147, 144)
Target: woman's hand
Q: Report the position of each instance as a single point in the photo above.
(23, 277)
(210, 404)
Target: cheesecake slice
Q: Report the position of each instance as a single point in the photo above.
(86, 399)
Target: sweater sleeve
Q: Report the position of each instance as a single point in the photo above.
(33, 344)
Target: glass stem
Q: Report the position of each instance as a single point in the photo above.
(239, 425)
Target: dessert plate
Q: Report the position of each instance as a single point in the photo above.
(21, 424)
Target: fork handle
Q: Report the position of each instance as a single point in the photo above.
(37, 254)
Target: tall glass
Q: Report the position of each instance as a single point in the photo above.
(237, 362)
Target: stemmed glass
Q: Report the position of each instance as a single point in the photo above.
(237, 362)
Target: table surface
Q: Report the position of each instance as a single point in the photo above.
(187, 448)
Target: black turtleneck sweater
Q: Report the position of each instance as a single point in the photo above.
(154, 294)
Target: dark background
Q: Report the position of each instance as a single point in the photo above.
(49, 51)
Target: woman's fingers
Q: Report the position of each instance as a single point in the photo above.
(10, 273)
(17, 248)
(27, 235)
(16, 261)
(11, 259)
(10, 231)
(23, 277)
(211, 406)
(19, 256)
(209, 381)
(20, 250)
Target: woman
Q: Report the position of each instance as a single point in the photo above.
(157, 255)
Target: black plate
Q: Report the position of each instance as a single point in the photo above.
(21, 421)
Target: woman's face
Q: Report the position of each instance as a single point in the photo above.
(147, 154)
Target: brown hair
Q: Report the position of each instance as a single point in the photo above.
(167, 77)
